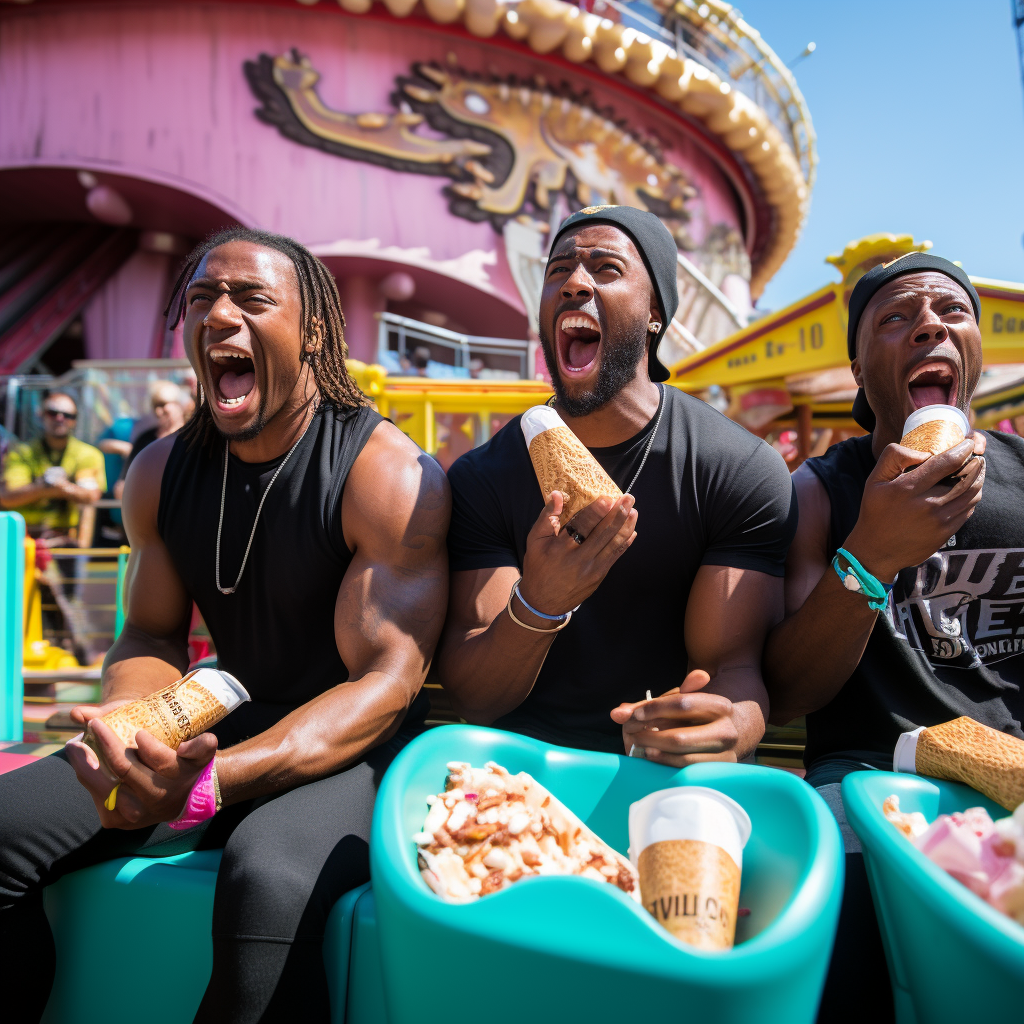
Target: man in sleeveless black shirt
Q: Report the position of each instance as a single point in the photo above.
(676, 594)
(310, 532)
(950, 640)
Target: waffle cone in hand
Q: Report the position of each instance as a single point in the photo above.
(692, 888)
(933, 437)
(967, 751)
(562, 463)
(174, 714)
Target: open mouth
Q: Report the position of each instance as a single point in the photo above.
(578, 337)
(934, 382)
(234, 378)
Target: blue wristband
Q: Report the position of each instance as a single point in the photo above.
(533, 611)
(858, 580)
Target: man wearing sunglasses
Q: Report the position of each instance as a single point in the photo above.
(50, 479)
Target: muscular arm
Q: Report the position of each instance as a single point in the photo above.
(906, 514)
(728, 615)
(152, 650)
(387, 619)
(812, 653)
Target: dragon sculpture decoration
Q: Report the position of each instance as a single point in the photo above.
(509, 146)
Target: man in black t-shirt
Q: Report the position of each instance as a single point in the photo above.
(676, 594)
(949, 638)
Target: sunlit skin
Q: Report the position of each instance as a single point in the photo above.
(487, 663)
(390, 605)
(918, 344)
(244, 301)
(918, 326)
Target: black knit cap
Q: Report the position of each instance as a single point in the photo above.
(878, 277)
(658, 251)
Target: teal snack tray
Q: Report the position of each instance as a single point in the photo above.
(951, 956)
(570, 948)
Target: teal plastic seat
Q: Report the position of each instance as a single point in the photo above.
(951, 956)
(133, 941)
(572, 949)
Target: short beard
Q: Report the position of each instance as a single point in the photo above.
(618, 368)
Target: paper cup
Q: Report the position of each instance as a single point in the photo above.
(687, 844)
(934, 429)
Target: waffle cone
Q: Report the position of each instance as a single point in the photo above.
(692, 889)
(967, 751)
(171, 715)
(562, 463)
(933, 437)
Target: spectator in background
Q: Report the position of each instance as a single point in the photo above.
(50, 480)
(116, 444)
(420, 361)
(168, 403)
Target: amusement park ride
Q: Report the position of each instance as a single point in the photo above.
(429, 147)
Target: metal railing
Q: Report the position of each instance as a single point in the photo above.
(395, 333)
(715, 35)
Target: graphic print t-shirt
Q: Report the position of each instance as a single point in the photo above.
(710, 493)
(951, 641)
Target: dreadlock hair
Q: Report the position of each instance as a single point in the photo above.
(320, 304)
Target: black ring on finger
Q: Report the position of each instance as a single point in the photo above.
(575, 534)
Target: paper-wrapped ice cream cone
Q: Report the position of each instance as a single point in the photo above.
(934, 429)
(966, 751)
(688, 846)
(562, 463)
(176, 713)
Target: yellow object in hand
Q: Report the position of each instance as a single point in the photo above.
(111, 800)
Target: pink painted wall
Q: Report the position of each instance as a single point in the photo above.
(157, 90)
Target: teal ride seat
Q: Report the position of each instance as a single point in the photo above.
(573, 949)
(951, 956)
(133, 941)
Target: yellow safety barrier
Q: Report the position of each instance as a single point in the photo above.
(447, 417)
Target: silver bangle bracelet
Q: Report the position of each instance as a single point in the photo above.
(533, 611)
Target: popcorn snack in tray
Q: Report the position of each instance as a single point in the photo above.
(985, 855)
(490, 828)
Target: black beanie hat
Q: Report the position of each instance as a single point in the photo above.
(878, 277)
(658, 251)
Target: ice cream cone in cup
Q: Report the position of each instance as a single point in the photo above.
(687, 844)
(562, 463)
(934, 429)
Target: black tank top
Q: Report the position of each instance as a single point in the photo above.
(951, 641)
(276, 632)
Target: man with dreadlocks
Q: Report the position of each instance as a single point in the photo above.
(311, 534)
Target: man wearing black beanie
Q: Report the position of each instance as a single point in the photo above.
(559, 633)
(933, 626)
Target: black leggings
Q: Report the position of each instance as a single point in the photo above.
(287, 859)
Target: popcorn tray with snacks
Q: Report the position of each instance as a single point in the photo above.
(582, 947)
(946, 947)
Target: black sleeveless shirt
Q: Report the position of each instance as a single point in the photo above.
(276, 632)
(951, 641)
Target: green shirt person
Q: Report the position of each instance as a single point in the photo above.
(49, 479)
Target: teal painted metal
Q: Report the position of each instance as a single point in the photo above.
(949, 952)
(582, 950)
(122, 568)
(109, 973)
(12, 626)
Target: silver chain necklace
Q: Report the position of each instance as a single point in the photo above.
(650, 443)
(259, 509)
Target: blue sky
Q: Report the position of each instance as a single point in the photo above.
(919, 111)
